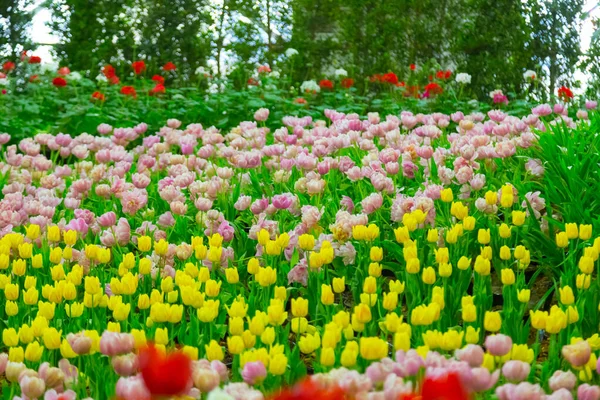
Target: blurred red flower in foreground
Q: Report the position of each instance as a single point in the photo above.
(347, 83)
(8, 66)
(326, 84)
(413, 67)
(309, 390)
(98, 96)
(165, 374)
(138, 67)
(158, 79)
(169, 66)
(128, 91)
(564, 93)
(34, 60)
(300, 100)
(447, 387)
(59, 81)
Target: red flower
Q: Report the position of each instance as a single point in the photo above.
(64, 71)
(390, 78)
(443, 74)
(448, 387)
(375, 78)
(433, 88)
(2, 75)
(8, 66)
(165, 375)
(309, 390)
(128, 91)
(413, 67)
(33, 78)
(300, 100)
(59, 81)
(159, 88)
(109, 71)
(35, 60)
(252, 82)
(347, 83)
(98, 96)
(565, 94)
(4, 91)
(138, 66)
(264, 69)
(326, 84)
(158, 78)
(169, 66)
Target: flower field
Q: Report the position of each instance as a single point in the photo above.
(383, 256)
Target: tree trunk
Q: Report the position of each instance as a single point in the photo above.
(269, 44)
(220, 40)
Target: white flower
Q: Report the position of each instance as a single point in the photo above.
(529, 75)
(291, 52)
(3, 82)
(201, 71)
(340, 73)
(493, 93)
(310, 86)
(275, 74)
(219, 394)
(75, 76)
(101, 78)
(49, 67)
(463, 77)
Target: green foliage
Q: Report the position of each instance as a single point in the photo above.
(15, 20)
(555, 43)
(494, 43)
(91, 33)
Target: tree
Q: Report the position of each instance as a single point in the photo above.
(591, 63)
(92, 33)
(555, 38)
(15, 22)
(494, 45)
(175, 31)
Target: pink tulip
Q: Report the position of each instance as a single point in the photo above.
(125, 365)
(132, 388)
(472, 354)
(562, 380)
(114, 343)
(79, 342)
(32, 387)
(588, 392)
(516, 371)
(107, 219)
(498, 345)
(577, 354)
(254, 372)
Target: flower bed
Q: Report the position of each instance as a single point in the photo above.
(384, 257)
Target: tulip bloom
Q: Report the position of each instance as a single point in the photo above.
(165, 375)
